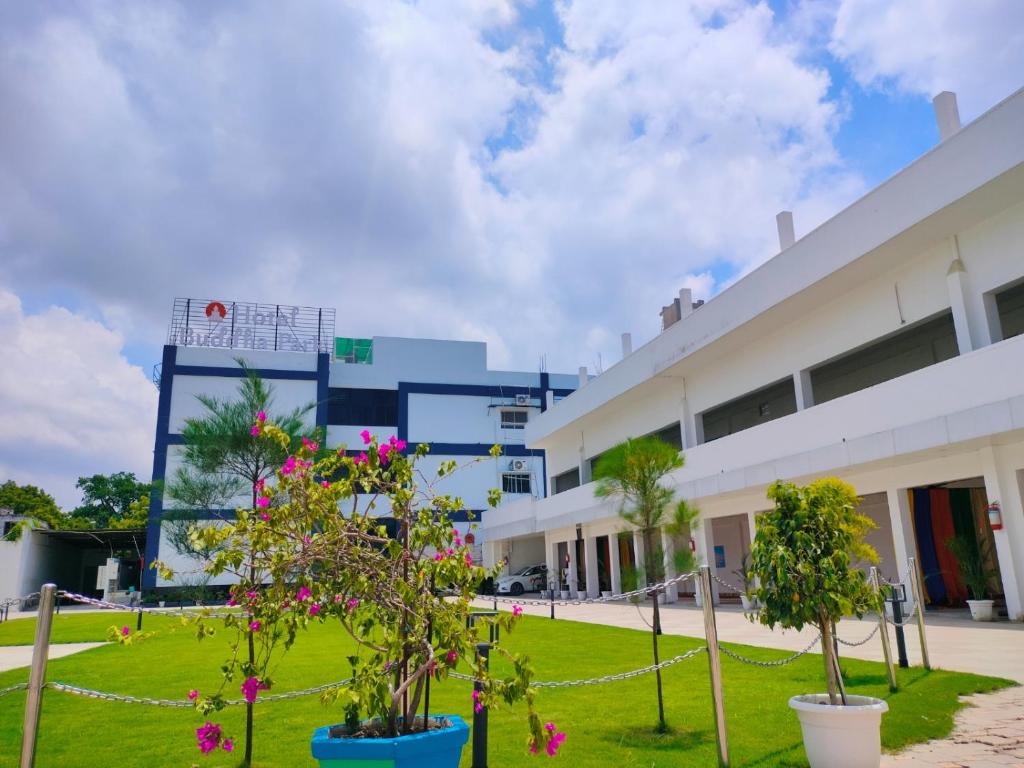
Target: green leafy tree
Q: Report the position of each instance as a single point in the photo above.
(804, 557)
(33, 503)
(224, 458)
(107, 500)
(633, 473)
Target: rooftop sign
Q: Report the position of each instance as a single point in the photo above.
(222, 324)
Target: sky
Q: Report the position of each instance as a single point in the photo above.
(542, 175)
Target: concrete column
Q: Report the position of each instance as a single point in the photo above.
(614, 564)
(551, 560)
(804, 391)
(492, 553)
(903, 543)
(668, 548)
(705, 540)
(571, 579)
(590, 550)
(638, 550)
(1003, 484)
(956, 284)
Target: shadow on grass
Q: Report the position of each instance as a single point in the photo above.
(674, 739)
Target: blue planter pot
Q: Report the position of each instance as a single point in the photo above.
(441, 748)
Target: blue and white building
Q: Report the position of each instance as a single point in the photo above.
(424, 391)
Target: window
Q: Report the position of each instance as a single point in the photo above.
(907, 350)
(515, 482)
(1010, 305)
(748, 411)
(671, 435)
(514, 419)
(566, 481)
(362, 407)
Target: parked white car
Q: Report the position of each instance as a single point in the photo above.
(532, 578)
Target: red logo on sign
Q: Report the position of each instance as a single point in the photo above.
(216, 306)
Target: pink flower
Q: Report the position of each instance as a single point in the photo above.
(255, 431)
(261, 417)
(265, 517)
(451, 657)
(362, 458)
(304, 593)
(263, 501)
(438, 556)
(208, 737)
(365, 434)
(517, 610)
(352, 604)
(397, 445)
(312, 445)
(306, 539)
(325, 484)
(193, 695)
(289, 466)
(382, 452)
(314, 609)
(125, 631)
(286, 603)
(338, 599)
(477, 706)
(555, 743)
(231, 602)
(251, 687)
(251, 594)
(469, 560)
(228, 745)
(258, 485)
(254, 626)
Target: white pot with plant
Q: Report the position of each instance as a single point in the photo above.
(975, 574)
(803, 560)
(743, 574)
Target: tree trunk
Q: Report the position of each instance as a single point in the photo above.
(828, 657)
(651, 577)
(247, 760)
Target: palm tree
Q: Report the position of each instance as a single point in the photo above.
(221, 459)
(632, 472)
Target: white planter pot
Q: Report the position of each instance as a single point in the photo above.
(162, 603)
(606, 593)
(981, 610)
(748, 603)
(565, 594)
(841, 736)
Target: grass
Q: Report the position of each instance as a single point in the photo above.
(611, 724)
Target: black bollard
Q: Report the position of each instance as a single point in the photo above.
(138, 624)
(551, 594)
(480, 718)
(494, 593)
(897, 620)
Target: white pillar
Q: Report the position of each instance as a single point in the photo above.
(590, 549)
(638, 550)
(947, 114)
(1002, 484)
(784, 225)
(803, 389)
(571, 580)
(705, 541)
(551, 560)
(614, 565)
(492, 553)
(668, 548)
(903, 543)
(956, 283)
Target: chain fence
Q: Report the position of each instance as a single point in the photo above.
(642, 591)
(181, 703)
(13, 689)
(599, 680)
(854, 644)
(198, 611)
(766, 664)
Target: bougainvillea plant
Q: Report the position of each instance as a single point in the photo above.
(325, 555)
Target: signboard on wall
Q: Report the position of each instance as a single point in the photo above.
(223, 324)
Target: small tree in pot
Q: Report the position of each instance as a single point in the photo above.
(975, 574)
(803, 556)
(403, 597)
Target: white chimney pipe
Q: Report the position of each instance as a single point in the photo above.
(627, 344)
(685, 302)
(784, 223)
(583, 376)
(947, 115)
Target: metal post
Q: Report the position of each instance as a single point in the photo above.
(901, 639)
(551, 594)
(37, 675)
(883, 630)
(480, 718)
(494, 593)
(715, 666)
(138, 624)
(915, 584)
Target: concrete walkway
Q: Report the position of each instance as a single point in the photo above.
(14, 656)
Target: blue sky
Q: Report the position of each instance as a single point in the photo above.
(541, 176)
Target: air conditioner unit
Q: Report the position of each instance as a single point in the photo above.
(519, 465)
(522, 399)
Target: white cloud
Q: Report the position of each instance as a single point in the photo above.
(926, 46)
(342, 155)
(70, 404)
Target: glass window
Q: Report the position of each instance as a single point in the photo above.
(514, 419)
(362, 407)
(515, 482)
(566, 481)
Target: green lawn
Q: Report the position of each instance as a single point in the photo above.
(608, 724)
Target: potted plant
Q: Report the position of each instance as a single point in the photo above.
(803, 559)
(321, 555)
(743, 573)
(975, 575)
(563, 585)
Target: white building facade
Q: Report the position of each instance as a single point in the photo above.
(886, 347)
(422, 391)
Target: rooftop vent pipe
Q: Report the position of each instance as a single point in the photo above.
(947, 115)
(784, 223)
